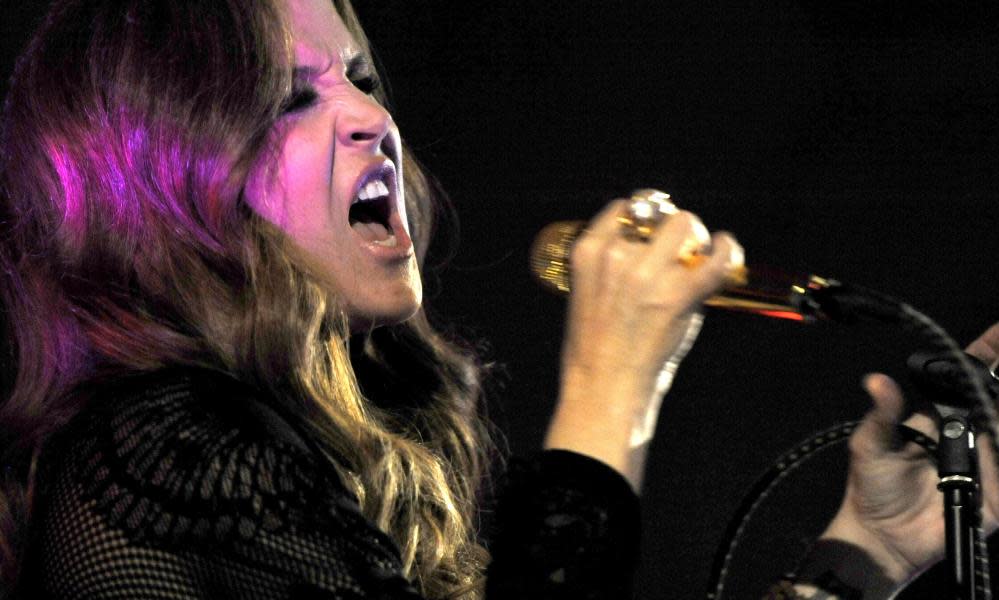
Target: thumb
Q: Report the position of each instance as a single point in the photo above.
(877, 433)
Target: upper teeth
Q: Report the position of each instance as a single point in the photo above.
(373, 189)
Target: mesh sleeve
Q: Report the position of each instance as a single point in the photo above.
(172, 495)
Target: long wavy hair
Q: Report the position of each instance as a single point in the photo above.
(127, 246)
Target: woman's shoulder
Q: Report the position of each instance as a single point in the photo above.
(173, 400)
(187, 455)
(191, 480)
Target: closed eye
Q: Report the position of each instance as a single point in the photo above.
(359, 72)
(362, 74)
(367, 84)
(299, 100)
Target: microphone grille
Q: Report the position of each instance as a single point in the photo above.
(550, 254)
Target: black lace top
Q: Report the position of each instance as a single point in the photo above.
(184, 484)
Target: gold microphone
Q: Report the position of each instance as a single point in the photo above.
(758, 290)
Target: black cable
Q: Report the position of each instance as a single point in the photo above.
(977, 396)
(768, 482)
(847, 304)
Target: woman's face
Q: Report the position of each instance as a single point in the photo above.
(334, 182)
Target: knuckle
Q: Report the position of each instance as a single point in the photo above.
(737, 255)
(687, 220)
(700, 231)
(607, 217)
(728, 253)
(617, 256)
(686, 225)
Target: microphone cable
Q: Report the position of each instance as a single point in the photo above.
(848, 304)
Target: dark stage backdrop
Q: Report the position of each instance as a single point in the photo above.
(852, 139)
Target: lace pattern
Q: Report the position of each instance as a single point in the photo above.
(175, 492)
(185, 485)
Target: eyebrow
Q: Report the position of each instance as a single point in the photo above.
(356, 62)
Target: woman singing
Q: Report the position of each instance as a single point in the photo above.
(224, 384)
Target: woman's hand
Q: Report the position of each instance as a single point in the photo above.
(634, 308)
(892, 508)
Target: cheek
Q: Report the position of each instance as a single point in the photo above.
(292, 189)
(307, 163)
(307, 171)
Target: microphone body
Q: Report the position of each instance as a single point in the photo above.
(758, 290)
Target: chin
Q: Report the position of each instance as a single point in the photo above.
(364, 319)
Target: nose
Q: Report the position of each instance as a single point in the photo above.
(364, 123)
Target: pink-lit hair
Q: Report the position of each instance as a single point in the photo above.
(128, 133)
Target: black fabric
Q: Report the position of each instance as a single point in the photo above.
(185, 484)
(568, 527)
(843, 570)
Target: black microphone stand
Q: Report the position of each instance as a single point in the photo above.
(962, 390)
(949, 387)
(957, 456)
(957, 460)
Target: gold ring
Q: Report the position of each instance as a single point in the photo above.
(646, 210)
(693, 253)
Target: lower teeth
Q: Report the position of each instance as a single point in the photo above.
(389, 242)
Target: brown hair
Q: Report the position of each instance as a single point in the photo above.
(127, 246)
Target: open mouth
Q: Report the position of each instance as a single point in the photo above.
(370, 213)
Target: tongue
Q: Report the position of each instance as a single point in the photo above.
(371, 232)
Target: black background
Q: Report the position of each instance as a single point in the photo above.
(852, 139)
